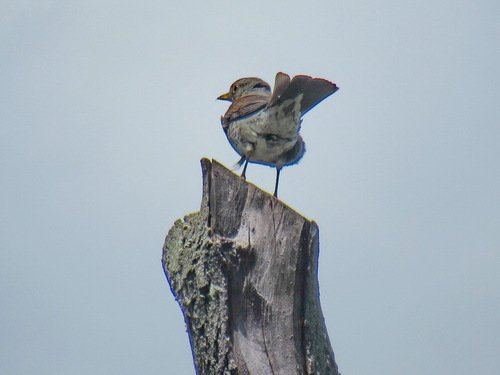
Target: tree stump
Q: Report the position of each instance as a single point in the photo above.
(244, 272)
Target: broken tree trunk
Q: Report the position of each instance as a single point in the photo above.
(244, 272)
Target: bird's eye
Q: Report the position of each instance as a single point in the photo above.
(235, 88)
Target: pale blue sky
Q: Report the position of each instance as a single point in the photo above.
(106, 108)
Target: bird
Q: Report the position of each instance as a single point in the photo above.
(263, 126)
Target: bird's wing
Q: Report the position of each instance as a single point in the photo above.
(281, 83)
(314, 89)
(244, 106)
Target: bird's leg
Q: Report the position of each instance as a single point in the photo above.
(244, 168)
(239, 163)
(278, 170)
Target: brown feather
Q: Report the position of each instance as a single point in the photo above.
(281, 83)
(244, 106)
(314, 89)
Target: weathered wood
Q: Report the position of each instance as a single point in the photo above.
(244, 272)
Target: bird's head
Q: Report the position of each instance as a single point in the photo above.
(246, 86)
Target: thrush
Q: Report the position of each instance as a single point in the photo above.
(263, 126)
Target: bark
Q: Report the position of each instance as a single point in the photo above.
(244, 272)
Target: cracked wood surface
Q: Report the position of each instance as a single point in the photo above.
(244, 272)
